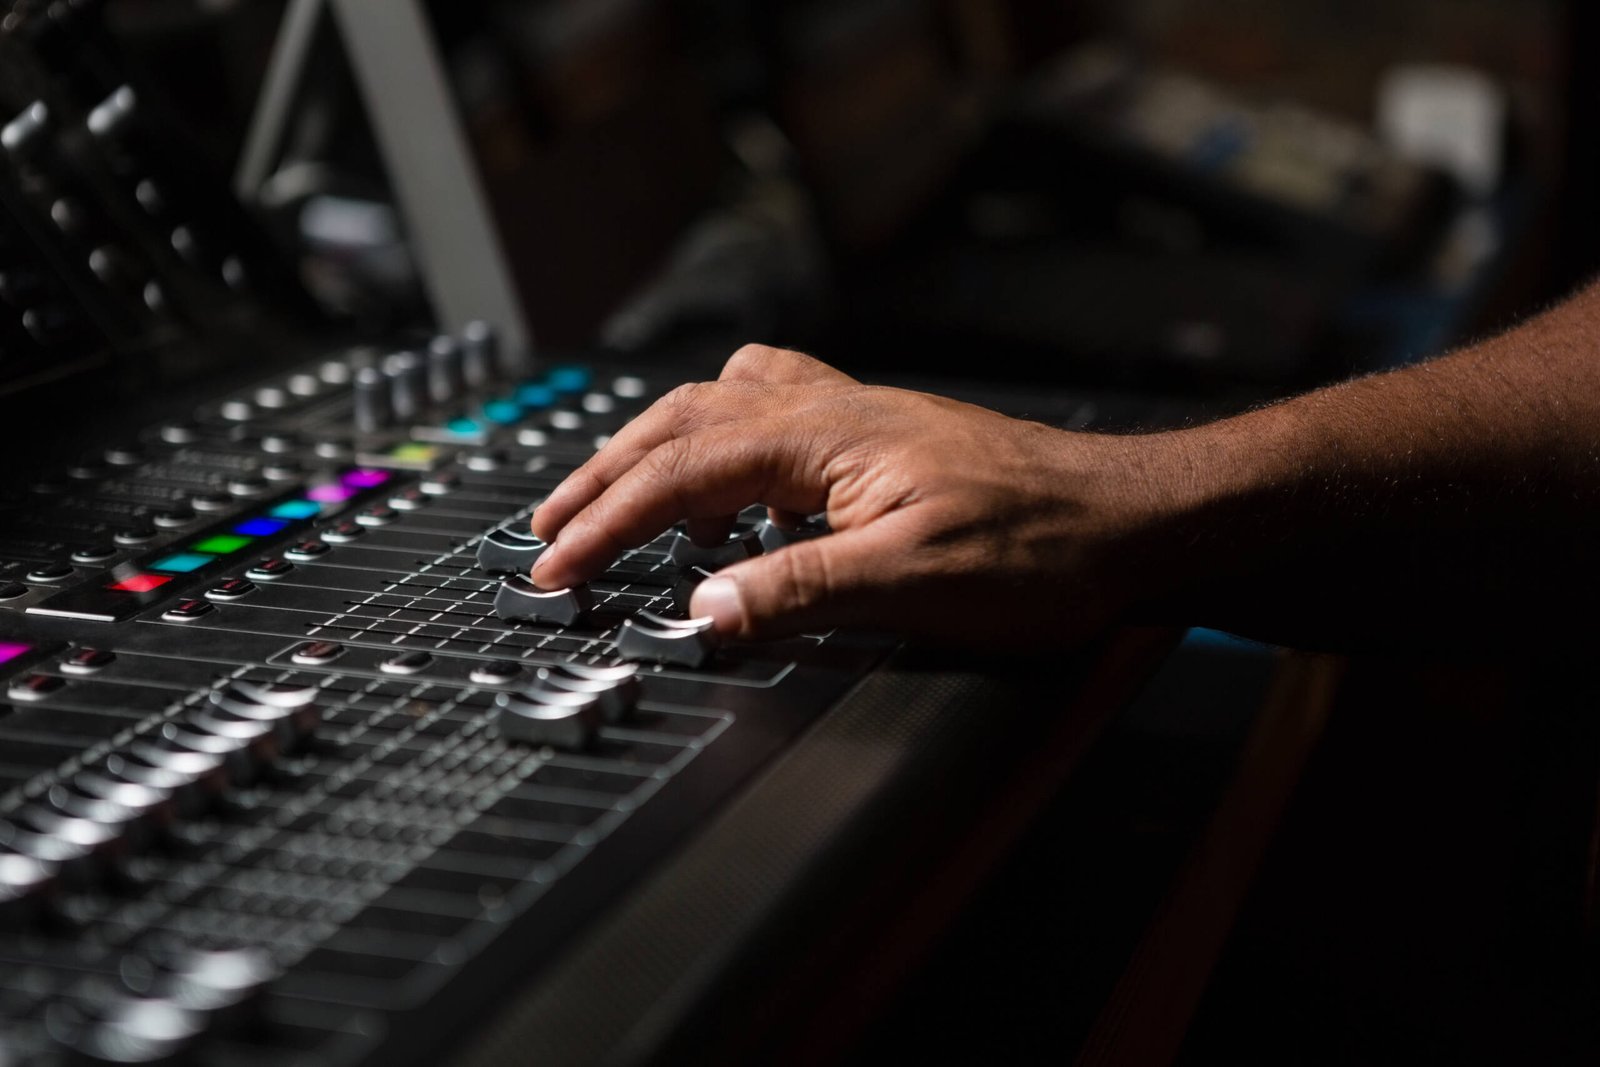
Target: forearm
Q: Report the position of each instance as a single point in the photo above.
(1419, 504)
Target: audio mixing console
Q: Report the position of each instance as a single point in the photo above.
(279, 756)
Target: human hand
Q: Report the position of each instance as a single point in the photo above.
(949, 521)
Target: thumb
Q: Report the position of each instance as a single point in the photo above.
(834, 580)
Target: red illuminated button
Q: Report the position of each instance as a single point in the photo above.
(140, 583)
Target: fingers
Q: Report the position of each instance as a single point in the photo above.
(743, 391)
(707, 475)
(779, 366)
(679, 413)
(843, 579)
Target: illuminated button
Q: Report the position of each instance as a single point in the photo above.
(568, 421)
(271, 397)
(343, 532)
(33, 687)
(269, 569)
(231, 589)
(221, 544)
(179, 433)
(364, 478)
(51, 572)
(407, 663)
(304, 551)
(188, 610)
(414, 454)
(304, 385)
(237, 411)
(211, 502)
(134, 535)
(11, 591)
(330, 493)
(93, 554)
(536, 395)
(628, 387)
(313, 653)
(489, 459)
(569, 379)
(496, 672)
(182, 562)
(378, 515)
(87, 660)
(599, 403)
(261, 527)
(503, 412)
(10, 650)
(296, 509)
(464, 427)
(139, 583)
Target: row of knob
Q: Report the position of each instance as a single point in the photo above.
(404, 384)
(84, 831)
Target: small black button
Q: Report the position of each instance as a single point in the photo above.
(496, 672)
(231, 589)
(342, 532)
(407, 663)
(282, 470)
(279, 443)
(134, 535)
(124, 455)
(87, 660)
(87, 470)
(268, 569)
(305, 550)
(12, 590)
(188, 610)
(211, 502)
(173, 516)
(51, 572)
(31, 687)
(377, 515)
(441, 482)
(93, 554)
(247, 486)
(179, 433)
(408, 499)
(313, 653)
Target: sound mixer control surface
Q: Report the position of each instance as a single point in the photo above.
(278, 767)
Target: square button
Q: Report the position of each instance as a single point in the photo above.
(296, 509)
(139, 583)
(221, 544)
(260, 527)
(182, 562)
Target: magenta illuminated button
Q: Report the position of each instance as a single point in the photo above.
(10, 650)
(330, 494)
(363, 478)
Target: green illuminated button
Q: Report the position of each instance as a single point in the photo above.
(221, 544)
(412, 452)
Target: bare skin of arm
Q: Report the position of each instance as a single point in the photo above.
(1412, 508)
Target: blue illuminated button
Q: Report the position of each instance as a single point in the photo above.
(504, 412)
(296, 509)
(569, 379)
(182, 562)
(261, 527)
(535, 395)
(465, 426)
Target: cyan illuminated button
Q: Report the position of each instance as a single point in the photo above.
(464, 426)
(569, 379)
(182, 562)
(535, 395)
(503, 412)
(296, 509)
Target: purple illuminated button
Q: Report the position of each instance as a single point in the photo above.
(10, 650)
(363, 478)
(330, 494)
